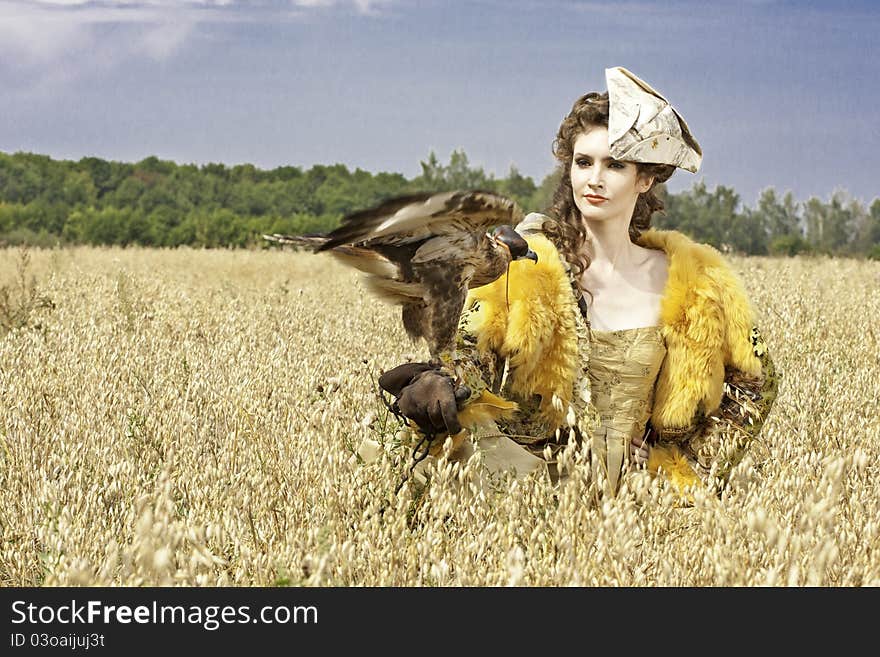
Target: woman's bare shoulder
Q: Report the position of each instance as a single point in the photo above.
(655, 268)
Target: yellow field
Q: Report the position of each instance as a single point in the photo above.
(190, 417)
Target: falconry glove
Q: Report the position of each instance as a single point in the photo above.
(427, 395)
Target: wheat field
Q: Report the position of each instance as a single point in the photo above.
(193, 417)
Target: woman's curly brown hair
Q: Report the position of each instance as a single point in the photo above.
(565, 227)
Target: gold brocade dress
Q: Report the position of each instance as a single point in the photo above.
(623, 370)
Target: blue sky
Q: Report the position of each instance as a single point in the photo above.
(779, 94)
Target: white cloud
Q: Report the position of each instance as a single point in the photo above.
(133, 3)
(370, 6)
(313, 3)
(62, 2)
(162, 41)
(39, 38)
(39, 35)
(264, 5)
(34, 41)
(362, 6)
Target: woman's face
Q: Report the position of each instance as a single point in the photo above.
(604, 189)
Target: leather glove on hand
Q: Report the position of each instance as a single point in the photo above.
(426, 395)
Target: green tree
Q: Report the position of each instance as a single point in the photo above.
(867, 228)
(22, 178)
(747, 233)
(458, 174)
(518, 187)
(542, 198)
(154, 165)
(713, 217)
(128, 194)
(779, 217)
(433, 174)
(341, 192)
(789, 245)
(830, 226)
(99, 226)
(872, 232)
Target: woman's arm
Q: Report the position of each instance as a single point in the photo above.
(442, 402)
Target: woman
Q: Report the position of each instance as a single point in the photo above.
(639, 341)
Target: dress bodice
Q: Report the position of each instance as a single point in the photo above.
(623, 370)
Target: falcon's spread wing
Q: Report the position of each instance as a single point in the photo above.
(418, 217)
(424, 251)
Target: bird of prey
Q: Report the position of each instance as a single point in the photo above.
(424, 252)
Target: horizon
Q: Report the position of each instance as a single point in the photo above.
(780, 194)
(779, 94)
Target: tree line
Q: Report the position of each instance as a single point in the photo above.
(154, 202)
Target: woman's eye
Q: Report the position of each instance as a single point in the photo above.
(617, 165)
(582, 162)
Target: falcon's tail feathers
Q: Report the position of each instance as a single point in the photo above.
(363, 259)
(311, 242)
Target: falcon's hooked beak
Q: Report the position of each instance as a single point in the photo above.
(514, 242)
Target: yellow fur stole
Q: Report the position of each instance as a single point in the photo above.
(669, 460)
(528, 316)
(706, 322)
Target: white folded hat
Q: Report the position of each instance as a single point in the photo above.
(644, 127)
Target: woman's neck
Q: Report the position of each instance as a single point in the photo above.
(611, 248)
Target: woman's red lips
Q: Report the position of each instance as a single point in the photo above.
(594, 197)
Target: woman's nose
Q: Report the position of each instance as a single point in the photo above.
(595, 177)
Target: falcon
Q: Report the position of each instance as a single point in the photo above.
(424, 252)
